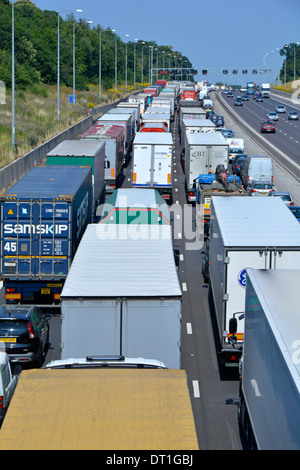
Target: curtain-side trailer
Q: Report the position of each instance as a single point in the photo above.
(246, 232)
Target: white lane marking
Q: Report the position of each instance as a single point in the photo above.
(184, 286)
(196, 389)
(189, 329)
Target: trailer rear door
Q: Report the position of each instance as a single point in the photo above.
(162, 165)
(142, 164)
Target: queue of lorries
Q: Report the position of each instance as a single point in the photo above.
(71, 235)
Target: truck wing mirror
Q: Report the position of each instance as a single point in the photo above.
(232, 326)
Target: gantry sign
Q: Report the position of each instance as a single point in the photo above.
(236, 71)
(174, 71)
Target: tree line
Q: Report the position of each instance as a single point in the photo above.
(36, 41)
(291, 65)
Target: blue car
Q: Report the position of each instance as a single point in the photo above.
(219, 121)
(226, 132)
(296, 211)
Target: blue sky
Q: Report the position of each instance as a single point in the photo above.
(214, 34)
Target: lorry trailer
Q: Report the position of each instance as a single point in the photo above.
(123, 282)
(100, 409)
(83, 153)
(43, 217)
(153, 118)
(152, 162)
(135, 206)
(246, 232)
(202, 153)
(269, 405)
(124, 120)
(113, 136)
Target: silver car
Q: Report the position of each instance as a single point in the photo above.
(260, 188)
(285, 196)
(280, 108)
(293, 115)
(273, 116)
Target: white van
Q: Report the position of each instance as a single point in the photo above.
(8, 383)
(257, 168)
(236, 146)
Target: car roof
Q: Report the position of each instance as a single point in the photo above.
(106, 361)
(281, 193)
(261, 181)
(15, 311)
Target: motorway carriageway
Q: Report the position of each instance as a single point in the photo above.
(287, 135)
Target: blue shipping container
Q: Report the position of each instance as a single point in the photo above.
(43, 218)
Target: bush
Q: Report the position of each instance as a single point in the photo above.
(33, 140)
(40, 90)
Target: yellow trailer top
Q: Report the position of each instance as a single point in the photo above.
(115, 409)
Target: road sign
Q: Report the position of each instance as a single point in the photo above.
(72, 99)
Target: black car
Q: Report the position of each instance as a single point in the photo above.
(237, 164)
(238, 101)
(24, 331)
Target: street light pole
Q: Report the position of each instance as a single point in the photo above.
(134, 63)
(13, 128)
(74, 99)
(58, 61)
(126, 35)
(116, 66)
(100, 63)
(143, 64)
(295, 45)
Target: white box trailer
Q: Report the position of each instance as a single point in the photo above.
(202, 154)
(126, 109)
(158, 109)
(122, 295)
(152, 162)
(246, 232)
(152, 118)
(141, 99)
(195, 126)
(159, 101)
(269, 409)
(192, 112)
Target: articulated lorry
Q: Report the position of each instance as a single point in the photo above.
(124, 120)
(154, 118)
(122, 295)
(269, 406)
(202, 154)
(265, 90)
(152, 162)
(135, 205)
(83, 153)
(246, 232)
(113, 136)
(100, 409)
(43, 217)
